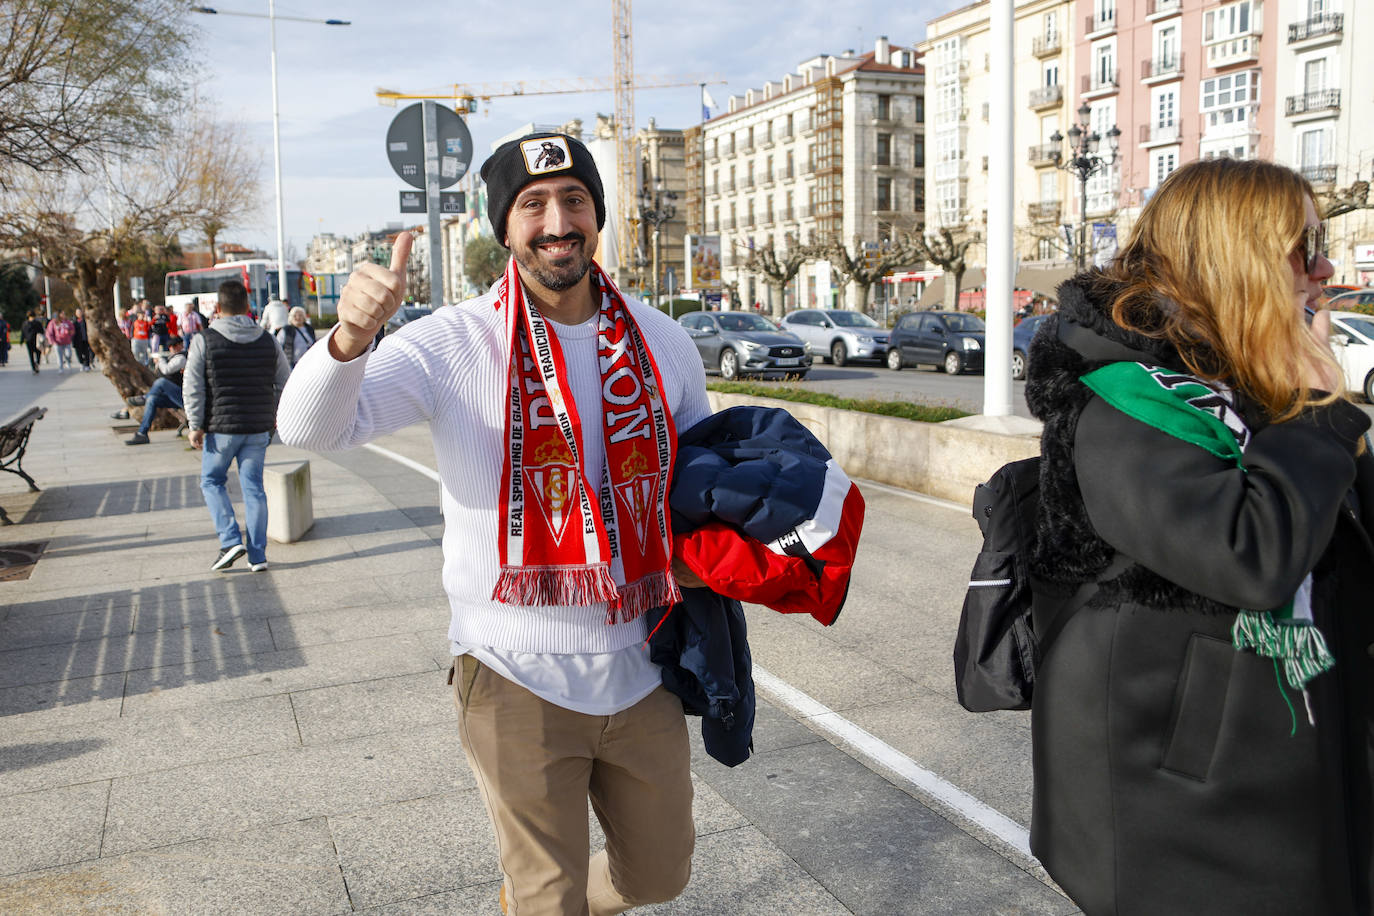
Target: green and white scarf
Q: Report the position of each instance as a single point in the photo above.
(1204, 415)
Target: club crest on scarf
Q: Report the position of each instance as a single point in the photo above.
(571, 551)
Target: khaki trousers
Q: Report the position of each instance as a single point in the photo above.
(537, 764)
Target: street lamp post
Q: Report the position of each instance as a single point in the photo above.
(1077, 154)
(272, 18)
(656, 207)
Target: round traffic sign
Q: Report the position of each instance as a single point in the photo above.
(405, 146)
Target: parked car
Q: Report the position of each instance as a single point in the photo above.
(1353, 336)
(406, 314)
(1358, 295)
(839, 334)
(950, 340)
(745, 343)
(1332, 290)
(1020, 344)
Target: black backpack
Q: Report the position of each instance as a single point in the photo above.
(996, 649)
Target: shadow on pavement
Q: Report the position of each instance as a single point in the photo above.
(22, 756)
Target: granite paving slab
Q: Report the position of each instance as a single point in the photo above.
(51, 827)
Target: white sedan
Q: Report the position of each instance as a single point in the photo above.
(1353, 336)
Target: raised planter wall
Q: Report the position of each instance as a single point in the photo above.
(946, 460)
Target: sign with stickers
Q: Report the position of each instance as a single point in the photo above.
(405, 146)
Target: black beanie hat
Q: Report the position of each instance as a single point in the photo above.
(517, 163)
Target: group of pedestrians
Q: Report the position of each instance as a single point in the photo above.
(67, 336)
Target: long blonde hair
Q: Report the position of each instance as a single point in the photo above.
(1206, 268)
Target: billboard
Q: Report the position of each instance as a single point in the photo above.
(703, 262)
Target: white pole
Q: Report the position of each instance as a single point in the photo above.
(997, 388)
(276, 158)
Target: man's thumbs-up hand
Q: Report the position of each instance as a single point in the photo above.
(371, 296)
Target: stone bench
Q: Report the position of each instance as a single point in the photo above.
(290, 507)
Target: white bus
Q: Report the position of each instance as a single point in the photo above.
(258, 275)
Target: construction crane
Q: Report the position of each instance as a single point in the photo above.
(623, 78)
(471, 93)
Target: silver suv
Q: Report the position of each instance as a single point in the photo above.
(839, 333)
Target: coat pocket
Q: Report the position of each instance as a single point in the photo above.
(1199, 703)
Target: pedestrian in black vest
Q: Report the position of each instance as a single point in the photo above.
(234, 375)
(31, 332)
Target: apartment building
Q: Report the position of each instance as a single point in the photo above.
(662, 172)
(836, 149)
(957, 56)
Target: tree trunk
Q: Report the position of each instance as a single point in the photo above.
(958, 283)
(778, 289)
(863, 289)
(94, 291)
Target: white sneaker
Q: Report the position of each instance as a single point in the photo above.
(259, 567)
(227, 557)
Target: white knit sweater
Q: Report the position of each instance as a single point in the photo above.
(451, 369)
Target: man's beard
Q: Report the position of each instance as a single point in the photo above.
(557, 276)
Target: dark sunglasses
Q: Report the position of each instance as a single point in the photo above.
(1312, 247)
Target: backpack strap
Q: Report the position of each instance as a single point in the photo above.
(1058, 610)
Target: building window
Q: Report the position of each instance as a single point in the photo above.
(1226, 22)
(920, 109)
(884, 149)
(884, 108)
(918, 196)
(767, 131)
(1050, 73)
(918, 158)
(1104, 65)
(885, 194)
(1162, 163)
(1314, 75)
(789, 126)
(1230, 99)
(715, 217)
(1313, 146)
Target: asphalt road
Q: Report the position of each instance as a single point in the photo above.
(875, 380)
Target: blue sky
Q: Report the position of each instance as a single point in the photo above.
(336, 177)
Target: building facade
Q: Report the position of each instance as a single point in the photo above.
(958, 62)
(834, 150)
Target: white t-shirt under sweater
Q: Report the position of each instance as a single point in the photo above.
(450, 369)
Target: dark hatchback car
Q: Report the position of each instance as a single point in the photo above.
(742, 343)
(952, 341)
(1020, 344)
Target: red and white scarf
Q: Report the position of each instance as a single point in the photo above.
(566, 542)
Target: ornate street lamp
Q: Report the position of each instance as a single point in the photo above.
(1077, 154)
(656, 206)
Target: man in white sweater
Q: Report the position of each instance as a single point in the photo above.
(554, 403)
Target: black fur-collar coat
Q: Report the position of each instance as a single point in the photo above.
(1172, 773)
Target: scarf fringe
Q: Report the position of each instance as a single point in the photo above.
(654, 590)
(1299, 647)
(555, 586)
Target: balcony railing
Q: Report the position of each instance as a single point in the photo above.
(1044, 211)
(747, 182)
(784, 214)
(784, 174)
(730, 186)
(1045, 45)
(1102, 82)
(1159, 133)
(1161, 67)
(1320, 100)
(1100, 22)
(1161, 7)
(1319, 174)
(1043, 153)
(1046, 95)
(1325, 24)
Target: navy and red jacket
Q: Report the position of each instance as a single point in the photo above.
(763, 514)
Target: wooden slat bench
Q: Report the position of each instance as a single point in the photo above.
(14, 440)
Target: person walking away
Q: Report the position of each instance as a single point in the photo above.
(60, 333)
(297, 337)
(81, 340)
(165, 390)
(234, 375)
(31, 333)
(548, 571)
(191, 323)
(161, 329)
(4, 342)
(1200, 727)
(275, 316)
(141, 330)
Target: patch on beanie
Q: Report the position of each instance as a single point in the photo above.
(546, 154)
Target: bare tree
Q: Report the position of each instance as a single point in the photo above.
(856, 266)
(779, 268)
(1340, 201)
(82, 79)
(226, 175)
(947, 248)
(89, 225)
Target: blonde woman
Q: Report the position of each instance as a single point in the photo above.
(1201, 721)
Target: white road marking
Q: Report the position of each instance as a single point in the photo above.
(867, 745)
(916, 497)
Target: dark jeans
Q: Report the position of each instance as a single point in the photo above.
(34, 356)
(164, 393)
(83, 353)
